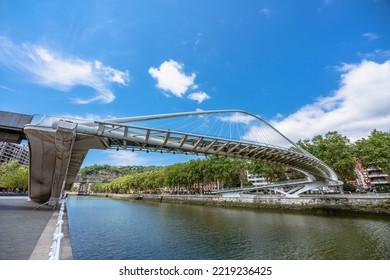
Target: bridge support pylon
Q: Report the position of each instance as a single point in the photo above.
(52, 150)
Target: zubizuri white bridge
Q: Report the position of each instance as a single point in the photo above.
(58, 146)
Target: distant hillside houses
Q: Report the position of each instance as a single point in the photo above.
(106, 173)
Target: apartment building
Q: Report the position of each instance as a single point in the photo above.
(12, 151)
(370, 176)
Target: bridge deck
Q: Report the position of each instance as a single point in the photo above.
(58, 145)
(11, 126)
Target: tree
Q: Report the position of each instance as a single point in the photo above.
(375, 150)
(13, 175)
(272, 172)
(335, 150)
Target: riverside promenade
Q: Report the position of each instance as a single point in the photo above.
(26, 232)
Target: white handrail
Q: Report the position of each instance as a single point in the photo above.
(58, 235)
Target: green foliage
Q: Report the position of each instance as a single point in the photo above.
(272, 172)
(349, 187)
(375, 150)
(13, 175)
(382, 204)
(385, 188)
(335, 150)
(190, 177)
(194, 176)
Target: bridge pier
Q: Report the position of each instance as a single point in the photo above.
(51, 149)
(56, 155)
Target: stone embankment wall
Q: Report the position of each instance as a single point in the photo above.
(345, 204)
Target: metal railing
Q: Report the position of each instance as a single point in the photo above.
(58, 235)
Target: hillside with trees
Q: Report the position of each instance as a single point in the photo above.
(106, 173)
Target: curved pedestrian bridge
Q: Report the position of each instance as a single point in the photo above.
(58, 145)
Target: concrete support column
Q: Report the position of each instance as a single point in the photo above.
(64, 139)
(50, 155)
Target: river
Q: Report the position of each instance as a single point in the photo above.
(111, 229)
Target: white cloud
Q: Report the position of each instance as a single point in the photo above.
(173, 81)
(88, 117)
(265, 11)
(48, 68)
(279, 116)
(376, 55)
(197, 40)
(358, 106)
(198, 96)
(124, 158)
(171, 78)
(6, 88)
(261, 133)
(238, 118)
(371, 36)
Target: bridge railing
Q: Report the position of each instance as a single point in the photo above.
(58, 235)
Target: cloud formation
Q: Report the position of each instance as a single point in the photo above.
(358, 106)
(265, 12)
(199, 96)
(124, 158)
(238, 118)
(50, 69)
(171, 78)
(371, 36)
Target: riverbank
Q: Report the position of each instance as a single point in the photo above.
(348, 204)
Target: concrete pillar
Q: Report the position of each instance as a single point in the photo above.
(64, 140)
(50, 155)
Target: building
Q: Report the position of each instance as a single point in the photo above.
(11, 151)
(370, 176)
(377, 177)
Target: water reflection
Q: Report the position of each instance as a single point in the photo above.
(103, 228)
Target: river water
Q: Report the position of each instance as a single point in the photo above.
(110, 229)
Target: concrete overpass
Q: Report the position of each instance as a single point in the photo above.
(11, 126)
(58, 145)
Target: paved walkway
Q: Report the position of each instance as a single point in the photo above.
(26, 233)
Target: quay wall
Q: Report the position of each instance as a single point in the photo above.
(344, 204)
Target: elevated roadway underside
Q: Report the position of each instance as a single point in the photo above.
(11, 126)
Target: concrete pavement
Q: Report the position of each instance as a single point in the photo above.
(26, 233)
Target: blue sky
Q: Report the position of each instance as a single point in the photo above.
(307, 67)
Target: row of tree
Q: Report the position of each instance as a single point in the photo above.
(195, 176)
